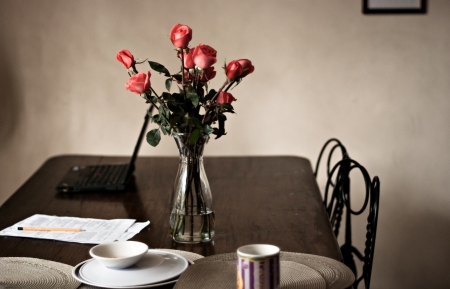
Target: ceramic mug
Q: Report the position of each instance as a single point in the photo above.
(258, 267)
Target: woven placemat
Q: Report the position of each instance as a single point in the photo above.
(32, 273)
(222, 275)
(335, 273)
(191, 257)
(296, 275)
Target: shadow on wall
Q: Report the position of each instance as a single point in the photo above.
(412, 248)
(9, 100)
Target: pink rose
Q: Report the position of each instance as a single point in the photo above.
(126, 58)
(180, 35)
(233, 70)
(204, 56)
(188, 61)
(208, 74)
(139, 83)
(247, 67)
(225, 97)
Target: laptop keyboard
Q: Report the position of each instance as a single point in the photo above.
(103, 175)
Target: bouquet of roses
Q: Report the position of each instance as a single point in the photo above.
(193, 109)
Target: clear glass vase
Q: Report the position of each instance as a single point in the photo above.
(192, 213)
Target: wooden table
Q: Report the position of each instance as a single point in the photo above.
(272, 200)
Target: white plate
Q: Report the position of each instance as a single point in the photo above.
(155, 267)
(76, 275)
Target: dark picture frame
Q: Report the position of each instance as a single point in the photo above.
(396, 7)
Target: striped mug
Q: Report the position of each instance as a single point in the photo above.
(258, 267)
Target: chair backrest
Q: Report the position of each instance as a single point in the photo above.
(332, 205)
(338, 182)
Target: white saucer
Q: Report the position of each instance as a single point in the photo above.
(156, 268)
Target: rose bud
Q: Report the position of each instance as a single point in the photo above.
(188, 61)
(139, 83)
(180, 35)
(204, 56)
(233, 70)
(126, 58)
(247, 67)
(208, 74)
(225, 97)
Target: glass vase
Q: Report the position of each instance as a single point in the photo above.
(192, 213)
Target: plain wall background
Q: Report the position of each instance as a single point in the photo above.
(379, 83)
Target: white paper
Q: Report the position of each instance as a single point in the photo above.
(96, 231)
(133, 230)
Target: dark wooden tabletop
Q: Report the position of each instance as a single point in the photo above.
(272, 200)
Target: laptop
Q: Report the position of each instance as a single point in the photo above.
(114, 177)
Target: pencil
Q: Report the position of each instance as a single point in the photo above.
(49, 229)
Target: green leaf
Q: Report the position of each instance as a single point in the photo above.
(166, 95)
(168, 83)
(210, 94)
(154, 137)
(156, 118)
(182, 126)
(174, 119)
(201, 93)
(164, 129)
(195, 135)
(192, 95)
(221, 118)
(163, 112)
(227, 106)
(196, 122)
(177, 77)
(159, 68)
(175, 108)
(178, 97)
(207, 129)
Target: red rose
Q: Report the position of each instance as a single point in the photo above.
(208, 74)
(188, 61)
(204, 56)
(233, 70)
(139, 83)
(225, 97)
(247, 67)
(126, 58)
(180, 35)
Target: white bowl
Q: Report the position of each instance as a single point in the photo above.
(118, 255)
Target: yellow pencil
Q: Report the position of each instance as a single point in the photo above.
(49, 229)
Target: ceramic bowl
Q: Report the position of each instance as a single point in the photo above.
(119, 255)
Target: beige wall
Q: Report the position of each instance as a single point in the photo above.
(379, 83)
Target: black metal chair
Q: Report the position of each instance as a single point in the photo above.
(334, 205)
(338, 181)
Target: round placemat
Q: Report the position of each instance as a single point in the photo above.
(191, 257)
(296, 275)
(32, 273)
(222, 275)
(335, 273)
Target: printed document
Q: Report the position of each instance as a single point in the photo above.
(95, 231)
